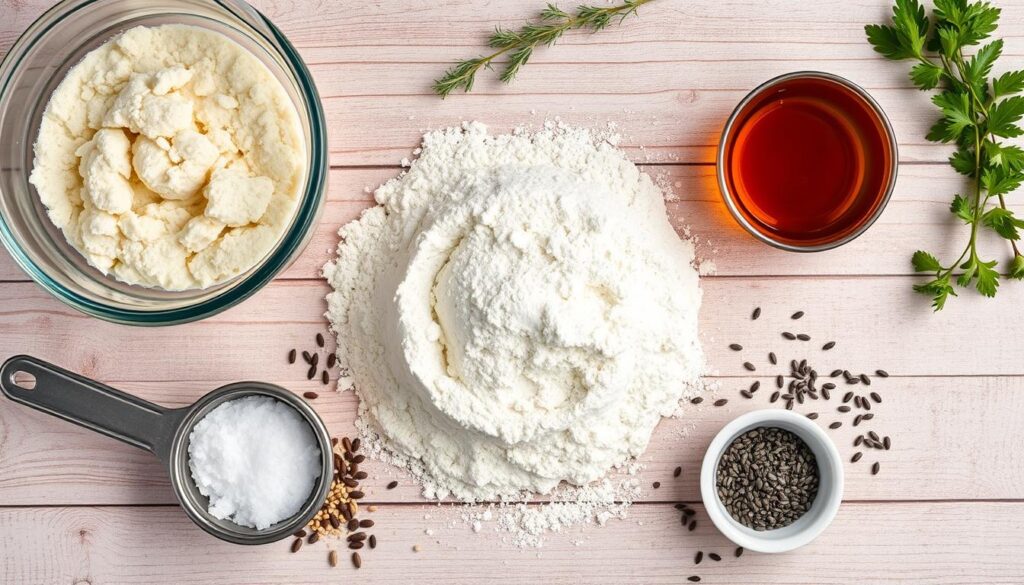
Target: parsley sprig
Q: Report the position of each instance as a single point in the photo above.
(520, 44)
(977, 110)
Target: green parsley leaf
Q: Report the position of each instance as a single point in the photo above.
(1008, 83)
(980, 65)
(1004, 115)
(911, 25)
(1017, 267)
(939, 289)
(886, 41)
(999, 181)
(963, 161)
(925, 262)
(1003, 222)
(988, 278)
(926, 75)
(962, 209)
(956, 111)
(1008, 156)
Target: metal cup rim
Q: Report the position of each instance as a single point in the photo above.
(181, 477)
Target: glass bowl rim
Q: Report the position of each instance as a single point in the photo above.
(305, 214)
(882, 198)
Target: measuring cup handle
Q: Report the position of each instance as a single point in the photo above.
(88, 403)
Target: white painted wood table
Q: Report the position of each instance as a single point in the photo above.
(947, 507)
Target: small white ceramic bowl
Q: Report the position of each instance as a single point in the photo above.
(830, 483)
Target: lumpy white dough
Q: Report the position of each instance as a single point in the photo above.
(518, 312)
(170, 157)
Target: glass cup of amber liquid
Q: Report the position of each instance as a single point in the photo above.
(807, 161)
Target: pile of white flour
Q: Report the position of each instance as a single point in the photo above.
(516, 313)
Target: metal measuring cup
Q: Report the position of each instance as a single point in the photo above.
(163, 432)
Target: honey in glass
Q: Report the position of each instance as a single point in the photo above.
(808, 161)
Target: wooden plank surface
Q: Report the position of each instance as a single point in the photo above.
(932, 458)
(871, 318)
(917, 217)
(921, 543)
(947, 507)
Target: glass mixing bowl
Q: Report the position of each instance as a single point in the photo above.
(34, 67)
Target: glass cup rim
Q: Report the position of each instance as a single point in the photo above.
(306, 212)
(882, 197)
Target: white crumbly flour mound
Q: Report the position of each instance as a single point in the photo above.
(516, 313)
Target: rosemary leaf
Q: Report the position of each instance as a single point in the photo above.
(519, 45)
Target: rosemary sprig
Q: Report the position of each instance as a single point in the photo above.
(520, 44)
(977, 110)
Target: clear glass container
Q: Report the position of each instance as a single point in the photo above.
(34, 67)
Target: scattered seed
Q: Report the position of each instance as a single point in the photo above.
(325, 378)
(812, 415)
(835, 425)
(774, 397)
(656, 485)
(772, 359)
(886, 443)
(789, 405)
(721, 402)
(313, 538)
(858, 440)
(393, 485)
(735, 347)
(311, 373)
(746, 394)
(749, 366)
(357, 561)
(296, 545)
(714, 556)
(308, 357)
(696, 400)
(788, 335)
(692, 526)
(856, 457)
(803, 337)
(864, 378)
(847, 397)
(693, 579)
(828, 346)
(739, 552)
(360, 475)
(857, 419)
(416, 548)
(291, 357)
(319, 340)
(779, 381)
(335, 523)
(828, 386)
(677, 472)
(310, 395)
(881, 373)
(843, 408)
(373, 541)
(875, 467)
(876, 397)
(756, 314)
(356, 495)
(835, 373)
(797, 315)
(356, 544)
(868, 416)
(698, 558)
(755, 386)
